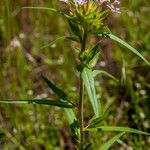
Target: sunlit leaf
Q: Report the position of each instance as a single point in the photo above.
(87, 77)
(108, 144)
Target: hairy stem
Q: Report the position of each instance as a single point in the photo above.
(81, 96)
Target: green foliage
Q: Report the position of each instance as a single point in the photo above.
(38, 101)
(115, 38)
(116, 129)
(101, 72)
(20, 76)
(107, 145)
(90, 87)
(55, 89)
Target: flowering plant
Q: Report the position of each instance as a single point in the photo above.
(85, 17)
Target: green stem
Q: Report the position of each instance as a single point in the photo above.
(81, 96)
(81, 113)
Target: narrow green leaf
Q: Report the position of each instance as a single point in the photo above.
(101, 72)
(116, 129)
(38, 101)
(54, 41)
(55, 89)
(87, 146)
(117, 39)
(47, 8)
(107, 145)
(43, 8)
(94, 60)
(73, 38)
(96, 121)
(74, 28)
(70, 116)
(87, 77)
(72, 120)
(92, 52)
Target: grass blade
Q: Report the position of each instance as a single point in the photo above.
(107, 145)
(116, 129)
(38, 101)
(87, 77)
(101, 72)
(117, 39)
(61, 94)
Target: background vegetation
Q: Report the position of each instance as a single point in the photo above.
(22, 62)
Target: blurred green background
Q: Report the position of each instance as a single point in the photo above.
(22, 62)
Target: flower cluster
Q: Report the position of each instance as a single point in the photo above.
(113, 6)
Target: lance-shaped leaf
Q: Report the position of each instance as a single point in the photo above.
(61, 94)
(44, 8)
(69, 37)
(101, 72)
(72, 120)
(57, 103)
(87, 77)
(87, 146)
(93, 52)
(108, 144)
(117, 39)
(97, 121)
(74, 28)
(116, 129)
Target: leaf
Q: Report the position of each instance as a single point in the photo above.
(94, 60)
(55, 89)
(117, 39)
(87, 77)
(54, 41)
(43, 8)
(107, 145)
(38, 101)
(101, 72)
(96, 121)
(73, 38)
(87, 146)
(92, 52)
(70, 115)
(116, 129)
(72, 120)
(74, 27)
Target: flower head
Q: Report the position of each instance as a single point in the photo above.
(113, 6)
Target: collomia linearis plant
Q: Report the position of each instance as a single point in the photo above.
(86, 19)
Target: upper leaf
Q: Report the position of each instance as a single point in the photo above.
(117, 39)
(44, 8)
